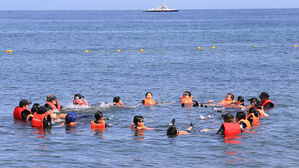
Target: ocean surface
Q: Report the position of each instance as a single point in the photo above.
(254, 53)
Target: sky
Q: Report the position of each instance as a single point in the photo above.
(143, 4)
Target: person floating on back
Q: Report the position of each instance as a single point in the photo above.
(267, 104)
(117, 102)
(42, 118)
(139, 124)
(148, 100)
(79, 100)
(22, 111)
(187, 100)
(228, 101)
(229, 127)
(53, 103)
(241, 119)
(172, 131)
(99, 122)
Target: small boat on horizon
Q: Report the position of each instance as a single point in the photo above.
(163, 8)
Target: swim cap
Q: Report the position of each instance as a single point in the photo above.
(71, 117)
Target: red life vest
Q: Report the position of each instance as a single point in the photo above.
(255, 121)
(132, 126)
(37, 119)
(188, 100)
(268, 101)
(101, 124)
(149, 102)
(53, 106)
(17, 113)
(231, 129)
(80, 103)
(248, 125)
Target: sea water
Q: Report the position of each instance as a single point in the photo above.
(254, 52)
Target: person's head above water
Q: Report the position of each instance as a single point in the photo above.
(228, 117)
(230, 96)
(78, 96)
(148, 95)
(172, 131)
(71, 117)
(42, 110)
(116, 99)
(98, 115)
(187, 93)
(254, 102)
(240, 115)
(35, 108)
(253, 110)
(264, 96)
(51, 98)
(240, 99)
(138, 120)
(24, 103)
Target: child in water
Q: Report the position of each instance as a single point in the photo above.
(99, 122)
(139, 124)
(187, 100)
(228, 101)
(148, 100)
(79, 100)
(240, 102)
(117, 102)
(173, 131)
(241, 119)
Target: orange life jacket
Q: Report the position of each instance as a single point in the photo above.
(37, 119)
(261, 112)
(119, 104)
(248, 125)
(18, 111)
(231, 129)
(226, 102)
(101, 124)
(141, 128)
(256, 120)
(79, 103)
(188, 100)
(248, 107)
(268, 101)
(132, 126)
(53, 106)
(72, 124)
(149, 102)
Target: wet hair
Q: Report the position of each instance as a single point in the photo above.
(148, 93)
(256, 102)
(254, 111)
(240, 99)
(98, 115)
(240, 115)
(189, 93)
(231, 95)
(35, 108)
(78, 96)
(137, 119)
(116, 99)
(172, 131)
(51, 98)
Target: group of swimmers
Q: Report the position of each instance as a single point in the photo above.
(43, 116)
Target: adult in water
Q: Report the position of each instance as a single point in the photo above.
(228, 101)
(79, 100)
(267, 104)
(172, 131)
(22, 111)
(229, 127)
(187, 100)
(148, 100)
(42, 118)
(53, 104)
(240, 103)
